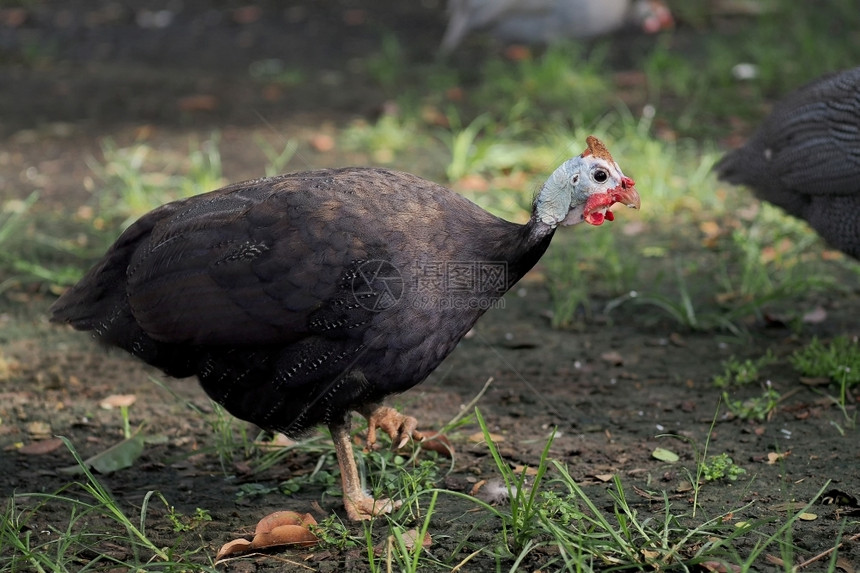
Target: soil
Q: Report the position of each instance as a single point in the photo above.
(612, 387)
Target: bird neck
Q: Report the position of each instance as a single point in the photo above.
(524, 248)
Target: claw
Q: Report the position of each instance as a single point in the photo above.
(399, 427)
(363, 507)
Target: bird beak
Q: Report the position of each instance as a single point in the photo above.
(627, 194)
(596, 209)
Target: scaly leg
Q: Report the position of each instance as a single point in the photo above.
(401, 428)
(359, 505)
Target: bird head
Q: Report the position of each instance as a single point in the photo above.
(653, 16)
(584, 188)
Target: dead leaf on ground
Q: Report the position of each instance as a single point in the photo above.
(604, 477)
(530, 471)
(40, 447)
(275, 530)
(718, 567)
(117, 401)
(39, 430)
(845, 564)
(773, 457)
(410, 540)
(478, 438)
(439, 444)
(819, 381)
(612, 357)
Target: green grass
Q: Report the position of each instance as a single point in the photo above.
(546, 520)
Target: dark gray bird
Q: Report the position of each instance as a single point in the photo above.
(805, 158)
(301, 298)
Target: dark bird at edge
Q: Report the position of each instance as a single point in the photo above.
(805, 158)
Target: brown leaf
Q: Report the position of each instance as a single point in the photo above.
(273, 521)
(612, 357)
(530, 471)
(718, 567)
(39, 429)
(650, 555)
(274, 530)
(478, 438)
(773, 457)
(439, 444)
(845, 565)
(41, 447)
(235, 547)
(117, 401)
(820, 381)
(410, 539)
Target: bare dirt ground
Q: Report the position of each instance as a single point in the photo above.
(611, 388)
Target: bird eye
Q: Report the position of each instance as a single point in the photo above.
(600, 176)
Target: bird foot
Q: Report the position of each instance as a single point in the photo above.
(399, 427)
(362, 507)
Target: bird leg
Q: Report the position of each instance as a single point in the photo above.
(399, 427)
(359, 505)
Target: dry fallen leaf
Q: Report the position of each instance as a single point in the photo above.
(117, 401)
(39, 430)
(235, 547)
(478, 438)
(718, 567)
(274, 530)
(410, 539)
(612, 357)
(439, 444)
(530, 471)
(773, 457)
(41, 447)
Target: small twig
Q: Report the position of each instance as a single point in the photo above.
(466, 560)
(470, 407)
(823, 554)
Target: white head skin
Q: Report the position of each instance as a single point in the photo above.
(584, 188)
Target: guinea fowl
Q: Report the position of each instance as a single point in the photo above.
(805, 158)
(547, 21)
(300, 298)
